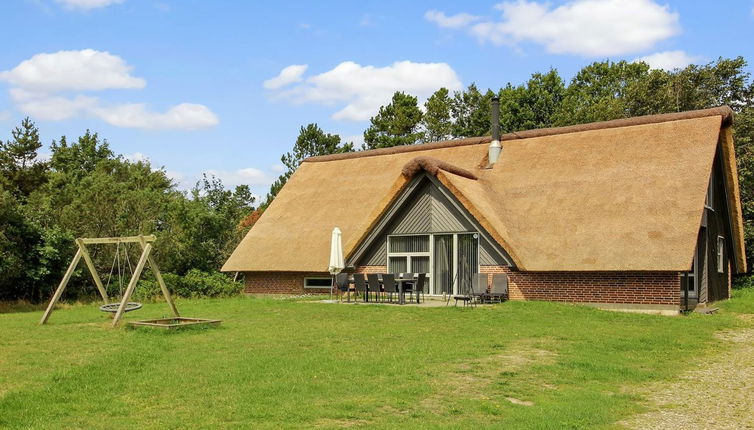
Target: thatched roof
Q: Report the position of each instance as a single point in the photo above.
(618, 195)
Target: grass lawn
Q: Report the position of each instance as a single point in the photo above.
(283, 363)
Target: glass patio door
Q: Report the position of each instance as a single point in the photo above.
(442, 275)
(468, 261)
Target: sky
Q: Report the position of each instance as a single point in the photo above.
(222, 87)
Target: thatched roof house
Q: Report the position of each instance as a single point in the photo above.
(612, 212)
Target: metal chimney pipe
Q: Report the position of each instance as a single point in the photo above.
(493, 152)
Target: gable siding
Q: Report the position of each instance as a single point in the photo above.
(428, 211)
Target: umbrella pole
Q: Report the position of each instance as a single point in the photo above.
(332, 284)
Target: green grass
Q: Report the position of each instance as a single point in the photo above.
(288, 364)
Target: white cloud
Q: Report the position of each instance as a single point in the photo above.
(185, 116)
(40, 87)
(247, 176)
(87, 4)
(669, 60)
(363, 89)
(135, 157)
(51, 107)
(278, 168)
(454, 21)
(287, 76)
(82, 70)
(590, 28)
(4, 115)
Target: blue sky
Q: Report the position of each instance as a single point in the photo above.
(223, 86)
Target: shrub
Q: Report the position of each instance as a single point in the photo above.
(193, 285)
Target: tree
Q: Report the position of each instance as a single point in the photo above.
(311, 141)
(395, 124)
(597, 92)
(81, 157)
(20, 171)
(471, 112)
(532, 105)
(437, 121)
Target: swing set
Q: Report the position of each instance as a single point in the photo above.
(119, 308)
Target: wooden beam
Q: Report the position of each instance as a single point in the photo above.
(92, 270)
(160, 281)
(132, 283)
(124, 239)
(61, 287)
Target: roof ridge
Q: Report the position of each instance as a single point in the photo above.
(433, 165)
(724, 111)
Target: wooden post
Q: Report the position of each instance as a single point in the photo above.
(158, 276)
(61, 287)
(92, 270)
(132, 283)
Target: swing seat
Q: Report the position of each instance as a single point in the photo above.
(113, 307)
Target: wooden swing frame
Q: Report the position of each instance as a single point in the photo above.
(146, 257)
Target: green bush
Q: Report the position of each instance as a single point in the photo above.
(745, 281)
(195, 284)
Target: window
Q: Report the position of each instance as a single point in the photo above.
(720, 254)
(317, 282)
(409, 244)
(408, 254)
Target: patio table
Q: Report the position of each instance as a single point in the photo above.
(401, 293)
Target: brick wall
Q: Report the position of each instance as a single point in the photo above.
(661, 288)
(595, 287)
(371, 269)
(281, 283)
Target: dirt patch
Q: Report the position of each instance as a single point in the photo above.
(345, 423)
(718, 395)
(474, 379)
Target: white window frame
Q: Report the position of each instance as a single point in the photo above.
(307, 278)
(430, 254)
(720, 254)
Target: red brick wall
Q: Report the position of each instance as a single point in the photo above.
(661, 288)
(371, 269)
(594, 287)
(281, 283)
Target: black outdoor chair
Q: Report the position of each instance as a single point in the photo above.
(343, 285)
(479, 287)
(408, 286)
(499, 290)
(418, 287)
(374, 285)
(389, 285)
(361, 285)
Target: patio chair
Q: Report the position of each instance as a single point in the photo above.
(421, 280)
(389, 285)
(374, 285)
(409, 286)
(499, 290)
(361, 285)
(479, 287)
(343, 285)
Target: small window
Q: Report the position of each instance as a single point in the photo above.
(317, 282)
(720, 254)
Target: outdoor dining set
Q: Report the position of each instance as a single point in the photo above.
(387, 287)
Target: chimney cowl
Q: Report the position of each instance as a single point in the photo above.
(495, 148)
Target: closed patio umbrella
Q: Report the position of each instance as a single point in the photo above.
(336, 256)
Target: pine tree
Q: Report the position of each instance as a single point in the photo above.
(395, 124)
(20, 171)
(437, 121)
